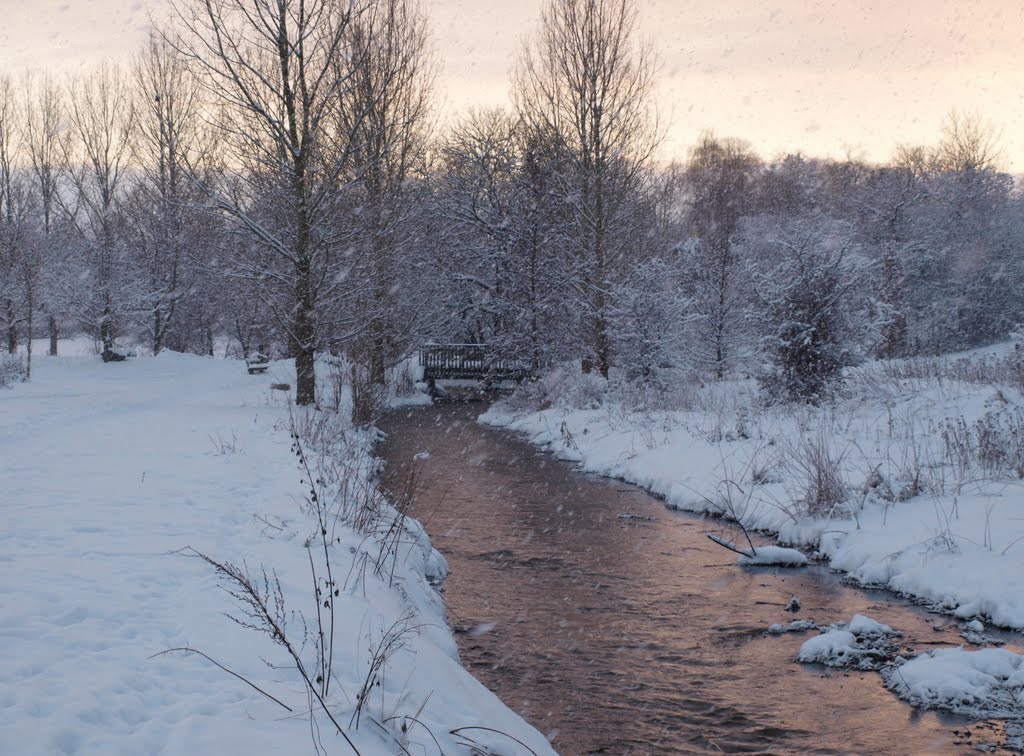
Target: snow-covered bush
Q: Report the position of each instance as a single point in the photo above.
(811, 329)
(647, 311)
(662, 390)
(564, 387)
(12, 369)
(998, 370)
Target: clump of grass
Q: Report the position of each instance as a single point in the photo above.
(816, 468)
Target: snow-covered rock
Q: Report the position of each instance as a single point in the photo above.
(862, 643)
(861, 625)
(988, 682)
(836, 648)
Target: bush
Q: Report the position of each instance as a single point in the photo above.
(816, 469)
(564, 387)
(994, 444)
(808, 314)
(12, 369)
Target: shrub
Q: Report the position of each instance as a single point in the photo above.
(816, 469)
(564, 386)
(12, 369)
(810, 313)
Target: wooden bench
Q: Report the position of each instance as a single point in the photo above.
(257, 363)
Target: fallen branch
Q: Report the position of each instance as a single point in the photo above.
(732, 546)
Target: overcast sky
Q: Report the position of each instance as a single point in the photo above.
(825, 78)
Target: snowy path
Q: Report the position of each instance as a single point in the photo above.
(104, 471)
(100, 483)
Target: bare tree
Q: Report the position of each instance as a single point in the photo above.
(169, 144)
(584, 80)
(96, 161)
(385, 112)
(721, 176)
(11, 228)
(500, 188)
(968, 144)
(44, 142)
(275, 69)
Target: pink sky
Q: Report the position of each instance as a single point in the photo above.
(812, 75)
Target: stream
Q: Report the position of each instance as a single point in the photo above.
(636, 636)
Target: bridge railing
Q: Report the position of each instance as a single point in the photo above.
(468, 362)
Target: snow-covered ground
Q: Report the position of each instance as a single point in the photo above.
(105, 472)
(912, 481)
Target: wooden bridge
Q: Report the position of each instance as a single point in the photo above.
(477, 362)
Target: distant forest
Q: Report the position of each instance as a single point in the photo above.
(271, 174)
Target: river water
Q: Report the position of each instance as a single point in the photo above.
(634, 636)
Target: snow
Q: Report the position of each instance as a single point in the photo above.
(108, 473)
(796, 626)
(862, 643)
(774, 555)
(834, 648)
(861, 625)
(912, 517)
(988, 682)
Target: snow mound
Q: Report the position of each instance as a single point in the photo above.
(861, 625)
(835, 648)
(773, 555)
(985, 683)
(863, 643)
(796, 626)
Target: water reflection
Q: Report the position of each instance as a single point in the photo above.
(633, 637)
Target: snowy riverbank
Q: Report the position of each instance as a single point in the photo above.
(911, 481)
(105, 472)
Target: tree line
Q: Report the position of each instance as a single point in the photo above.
(270, 174)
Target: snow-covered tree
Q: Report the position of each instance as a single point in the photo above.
(96, 164)
(501, 188)
(586, 81)
(384, 111)
(720, 179)
(167, 227)
(274, 75)
(808, 309)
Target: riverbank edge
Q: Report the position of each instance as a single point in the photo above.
(555, 432)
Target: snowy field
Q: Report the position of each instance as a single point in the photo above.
(106, 471)
(911, 481)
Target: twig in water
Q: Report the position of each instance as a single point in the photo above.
(730, 545)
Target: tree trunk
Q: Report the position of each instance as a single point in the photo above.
(304, 342)
(106, 332)
(158, 332)
(54, 333)
(12, 328)
(28, 334)
(601, 343)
